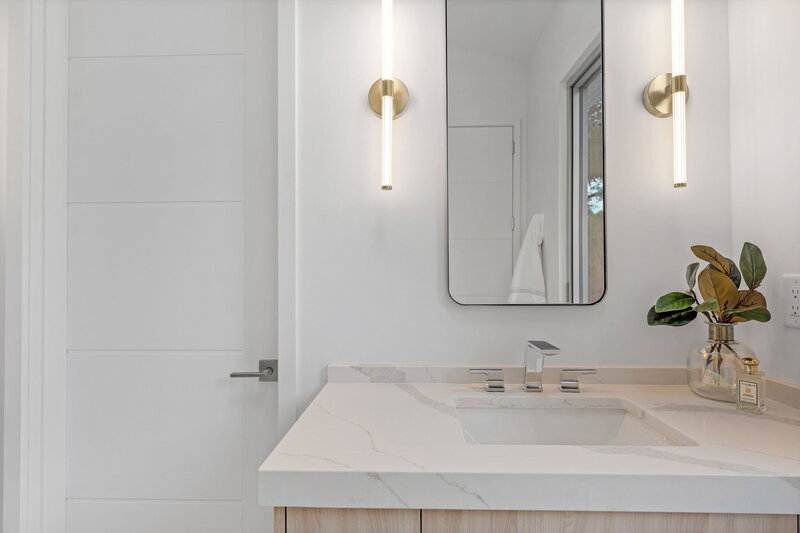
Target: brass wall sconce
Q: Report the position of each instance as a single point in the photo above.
(666, 95)
(388, 96)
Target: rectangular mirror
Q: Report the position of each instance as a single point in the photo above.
(525, 181)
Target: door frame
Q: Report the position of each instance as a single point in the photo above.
(33, 193)
(35, 261)
(287, 215)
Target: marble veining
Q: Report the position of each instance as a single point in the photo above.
(400, 445)
(415, 393)
(377, 477)
(318, 458)
(390, 374)
(465, 490)
(369, 436)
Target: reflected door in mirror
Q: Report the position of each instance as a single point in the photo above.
(481, 214)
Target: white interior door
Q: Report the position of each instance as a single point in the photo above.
(481, 199)
(171, 264)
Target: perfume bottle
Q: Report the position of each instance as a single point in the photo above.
(750, 387)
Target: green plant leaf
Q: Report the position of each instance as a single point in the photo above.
(714, 284)
(712, 257)
(691, 275)
(759, 314)
(754, 269)
(736, 274)
(674, 301)
(674, 318)
(709, 306)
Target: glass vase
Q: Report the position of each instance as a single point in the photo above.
(713, 363)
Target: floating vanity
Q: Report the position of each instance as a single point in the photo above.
(421, 449)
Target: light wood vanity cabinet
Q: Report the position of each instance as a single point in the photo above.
(548, 522)
(312, 520)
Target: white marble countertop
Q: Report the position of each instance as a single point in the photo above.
(400, 445)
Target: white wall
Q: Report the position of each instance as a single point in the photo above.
(552, 59)
(765, 136)
(372, 265)
(485, 86)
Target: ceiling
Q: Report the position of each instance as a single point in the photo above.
(507, 28)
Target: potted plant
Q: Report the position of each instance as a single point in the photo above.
(712, 364)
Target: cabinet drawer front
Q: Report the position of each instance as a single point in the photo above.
(308, 520)
(575, 522)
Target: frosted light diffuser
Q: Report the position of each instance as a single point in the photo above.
(387, 100)
(678, 98)
(667, 94)
(388, 96)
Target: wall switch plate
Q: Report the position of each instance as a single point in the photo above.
(791, 295)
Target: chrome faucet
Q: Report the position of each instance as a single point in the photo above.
(534, 364)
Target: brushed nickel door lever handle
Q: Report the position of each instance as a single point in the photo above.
(267, 371)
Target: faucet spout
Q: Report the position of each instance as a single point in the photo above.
(535, 353)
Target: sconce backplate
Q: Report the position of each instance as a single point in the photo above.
(657, 96)
(400, 98)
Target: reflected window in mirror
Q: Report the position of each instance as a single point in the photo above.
(525, 174)
(586, 180)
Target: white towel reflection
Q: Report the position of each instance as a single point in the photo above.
(527, 283)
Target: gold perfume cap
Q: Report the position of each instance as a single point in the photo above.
(750, 364)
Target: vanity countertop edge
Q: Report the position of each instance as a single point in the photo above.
(391, 443)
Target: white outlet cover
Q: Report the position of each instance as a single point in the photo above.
(791, 295)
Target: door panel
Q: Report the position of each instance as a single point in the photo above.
(182, 134)
(480, 210)
(114, 28)
(152, 425)
(153, 517)
(478, 269)
(172, 264)
(155, 276)
(481, 207)
(479, 154)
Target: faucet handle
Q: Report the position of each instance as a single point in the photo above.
(494, 378)
(569, 378)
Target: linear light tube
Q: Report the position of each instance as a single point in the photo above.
(679, 177)
(387, 100)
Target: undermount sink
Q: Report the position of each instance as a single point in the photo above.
(559, 421)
